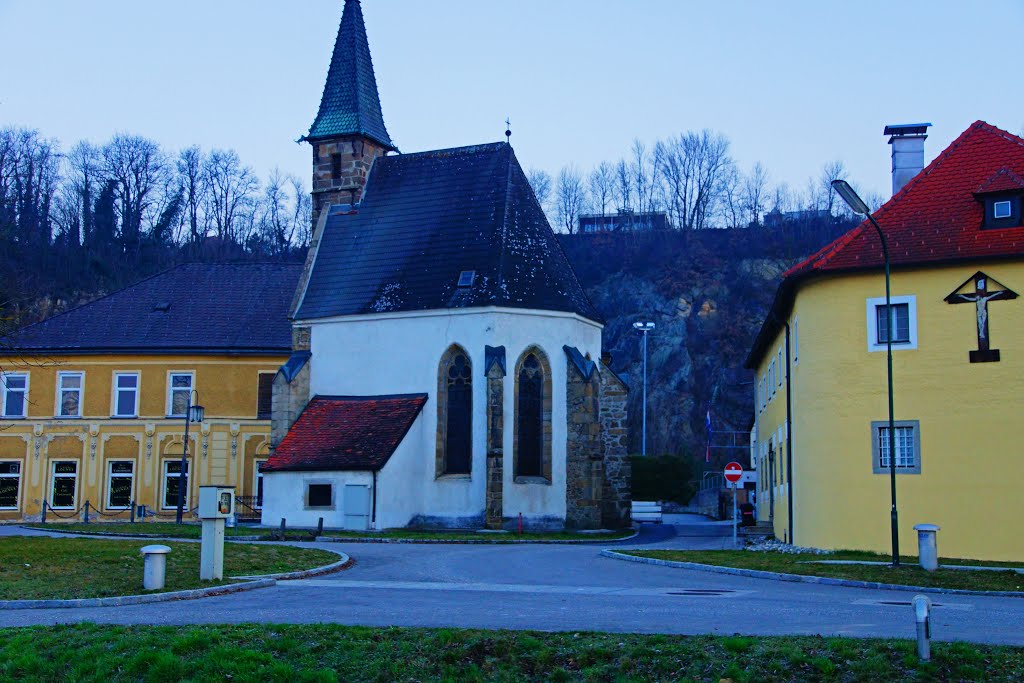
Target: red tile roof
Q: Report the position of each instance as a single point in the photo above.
(936, 218)
(346, 433)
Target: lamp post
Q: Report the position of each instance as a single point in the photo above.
(644, 327)
(193, 413)
(858, 206)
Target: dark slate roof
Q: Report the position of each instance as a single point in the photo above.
(350, 104)
(193, 308)
(346, 433)
(426, 218)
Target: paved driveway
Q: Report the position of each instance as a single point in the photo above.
(562, 587)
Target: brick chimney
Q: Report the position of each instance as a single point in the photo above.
(907, 140)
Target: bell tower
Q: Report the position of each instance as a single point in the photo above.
(348, 132)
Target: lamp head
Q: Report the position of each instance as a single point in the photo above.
(196, 413)
(851, 197)
(643, 326)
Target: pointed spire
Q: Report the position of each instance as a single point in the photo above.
(350, 104)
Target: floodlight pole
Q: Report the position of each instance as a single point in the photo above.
(858, 206)
(644, 327)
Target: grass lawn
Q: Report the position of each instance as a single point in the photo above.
(193, 531)
(87, 652)
(909, 572)
(63, 568)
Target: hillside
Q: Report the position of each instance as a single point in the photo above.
(707, 292)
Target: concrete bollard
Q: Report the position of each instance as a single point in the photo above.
(154, 570)
(927, 546)
(922, 617)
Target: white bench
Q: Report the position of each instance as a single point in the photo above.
(646, 511)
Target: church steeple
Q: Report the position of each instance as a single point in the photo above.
(350, 104)
(348, 132)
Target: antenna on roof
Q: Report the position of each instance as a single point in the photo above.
(508, 131)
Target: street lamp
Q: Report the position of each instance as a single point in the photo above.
(644, 327)
(193, 413)
(858, 206)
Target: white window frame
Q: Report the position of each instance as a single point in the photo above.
(21, 469)
(876, 459)
(63, 475)
(1009, 209)
(110, 481)
(60, 393)
(872, 322)
(771, 378)
(6, 390)
(780, 365)
(171, 389)
(116, 391)
(164, 476)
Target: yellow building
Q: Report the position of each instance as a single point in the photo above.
(820, 439)
(93, 400)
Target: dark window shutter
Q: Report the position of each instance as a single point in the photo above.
(264, 397)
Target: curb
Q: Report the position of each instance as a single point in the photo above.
(343, 563)
(800, 578)
(138, 599)
(145, 536)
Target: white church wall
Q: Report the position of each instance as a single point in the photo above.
(400, 353)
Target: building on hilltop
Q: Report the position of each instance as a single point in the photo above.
(93, 399)
(443, 372)
(624, 221)
(956, 241)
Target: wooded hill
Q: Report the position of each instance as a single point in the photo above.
(707, 291)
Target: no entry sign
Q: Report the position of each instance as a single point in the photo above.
(733, 472)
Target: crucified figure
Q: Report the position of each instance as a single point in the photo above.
(980, 298)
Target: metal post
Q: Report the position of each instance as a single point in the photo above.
(43, 519)
(735, 485)
(183, 475)
(131, 512)
(86, 512)
(643, 448)
(894, 515)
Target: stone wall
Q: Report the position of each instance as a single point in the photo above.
(616, 497)
(494, 505)
(289, 399)
(340, 168)
(583, 466)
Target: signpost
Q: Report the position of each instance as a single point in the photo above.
(733, 474)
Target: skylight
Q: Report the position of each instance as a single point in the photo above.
(466, 278)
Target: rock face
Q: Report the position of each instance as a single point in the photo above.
(707, 293)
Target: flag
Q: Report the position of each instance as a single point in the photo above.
(707, 428)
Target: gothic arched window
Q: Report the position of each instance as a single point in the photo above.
(455, 413)
(533, 416)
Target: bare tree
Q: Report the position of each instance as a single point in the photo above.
(602, 185)
(302, 213)
(541, 183)
(833, 170)
(137, 166)
(693, 165)
(231, 187)
(623, 186)
(731, 203)
(570, 198)
(755, 187)
(193, 187)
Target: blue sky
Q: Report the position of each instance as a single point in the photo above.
(793, 84)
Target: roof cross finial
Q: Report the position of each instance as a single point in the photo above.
(508, 131)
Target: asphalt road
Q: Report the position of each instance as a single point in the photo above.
(563, 587)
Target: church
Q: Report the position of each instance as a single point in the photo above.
(446, 369)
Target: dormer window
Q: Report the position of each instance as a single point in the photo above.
(1002, 211)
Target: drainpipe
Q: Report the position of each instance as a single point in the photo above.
(789, 436)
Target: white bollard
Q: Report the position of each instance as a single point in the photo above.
(154, 569)
(927, 546)
(922, 617)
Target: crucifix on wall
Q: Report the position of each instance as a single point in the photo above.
(979, 290)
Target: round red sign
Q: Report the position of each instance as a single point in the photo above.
(733, 472)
